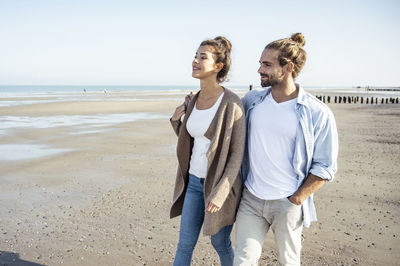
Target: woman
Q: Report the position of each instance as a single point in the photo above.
(209, 150)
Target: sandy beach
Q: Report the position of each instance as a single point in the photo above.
(89, 182)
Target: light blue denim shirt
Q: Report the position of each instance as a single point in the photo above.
(316, 145)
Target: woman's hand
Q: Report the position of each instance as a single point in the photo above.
(211, 207)
(179, 112)
(188, 98)
(181, 109)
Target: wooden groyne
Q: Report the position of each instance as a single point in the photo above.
(358, 99)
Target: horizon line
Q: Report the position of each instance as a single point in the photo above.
(182, 85)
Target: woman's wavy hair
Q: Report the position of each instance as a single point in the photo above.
(222, 51)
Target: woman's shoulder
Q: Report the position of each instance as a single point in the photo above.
(231, 96)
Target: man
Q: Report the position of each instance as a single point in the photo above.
(291, 151)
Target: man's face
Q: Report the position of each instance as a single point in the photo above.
(270, 71)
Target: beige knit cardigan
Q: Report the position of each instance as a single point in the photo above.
(223, 184)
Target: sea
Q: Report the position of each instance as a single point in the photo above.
(31, 90)
(28, 148)
(12, 95)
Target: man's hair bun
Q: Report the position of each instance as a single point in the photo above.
(299, 38)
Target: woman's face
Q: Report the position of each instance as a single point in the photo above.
(203, 65)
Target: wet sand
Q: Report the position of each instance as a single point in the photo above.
(105, 201)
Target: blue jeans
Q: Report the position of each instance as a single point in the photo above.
(191, 223)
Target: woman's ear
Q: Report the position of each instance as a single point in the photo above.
(219, 66)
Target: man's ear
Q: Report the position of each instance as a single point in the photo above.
(290, 67)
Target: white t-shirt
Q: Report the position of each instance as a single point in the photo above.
(271, 147)
(197, 125)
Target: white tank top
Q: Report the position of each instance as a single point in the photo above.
(197, 125)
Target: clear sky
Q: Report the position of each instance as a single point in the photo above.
(116, 42)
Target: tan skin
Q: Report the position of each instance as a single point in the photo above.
(285, 89)
(204, 68)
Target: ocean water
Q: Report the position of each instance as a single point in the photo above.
(7, 90)
(49, 90)
(77, 122)
(27, 95)
(34, 148)
(16, 152)
(23, 95)
(30, 148)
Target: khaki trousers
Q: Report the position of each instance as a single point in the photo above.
(255, 217)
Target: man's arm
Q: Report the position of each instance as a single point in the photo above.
(324, 161)
(312, 184)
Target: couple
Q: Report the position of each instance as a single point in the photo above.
(257, 160)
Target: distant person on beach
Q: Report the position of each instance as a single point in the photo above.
(291, 151)
(209, 150)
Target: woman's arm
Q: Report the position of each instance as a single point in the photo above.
(235, 155)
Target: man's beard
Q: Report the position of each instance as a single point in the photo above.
(266, 83)
(271, 81)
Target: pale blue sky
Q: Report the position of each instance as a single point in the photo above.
(117, 42)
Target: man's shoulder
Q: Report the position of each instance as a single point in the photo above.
(316, 106)
(254, 94)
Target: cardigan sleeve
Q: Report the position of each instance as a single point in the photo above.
(176, 125)
(235, 155)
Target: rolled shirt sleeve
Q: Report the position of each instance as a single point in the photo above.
(326, 147)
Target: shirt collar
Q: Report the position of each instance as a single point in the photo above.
(300, 97)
